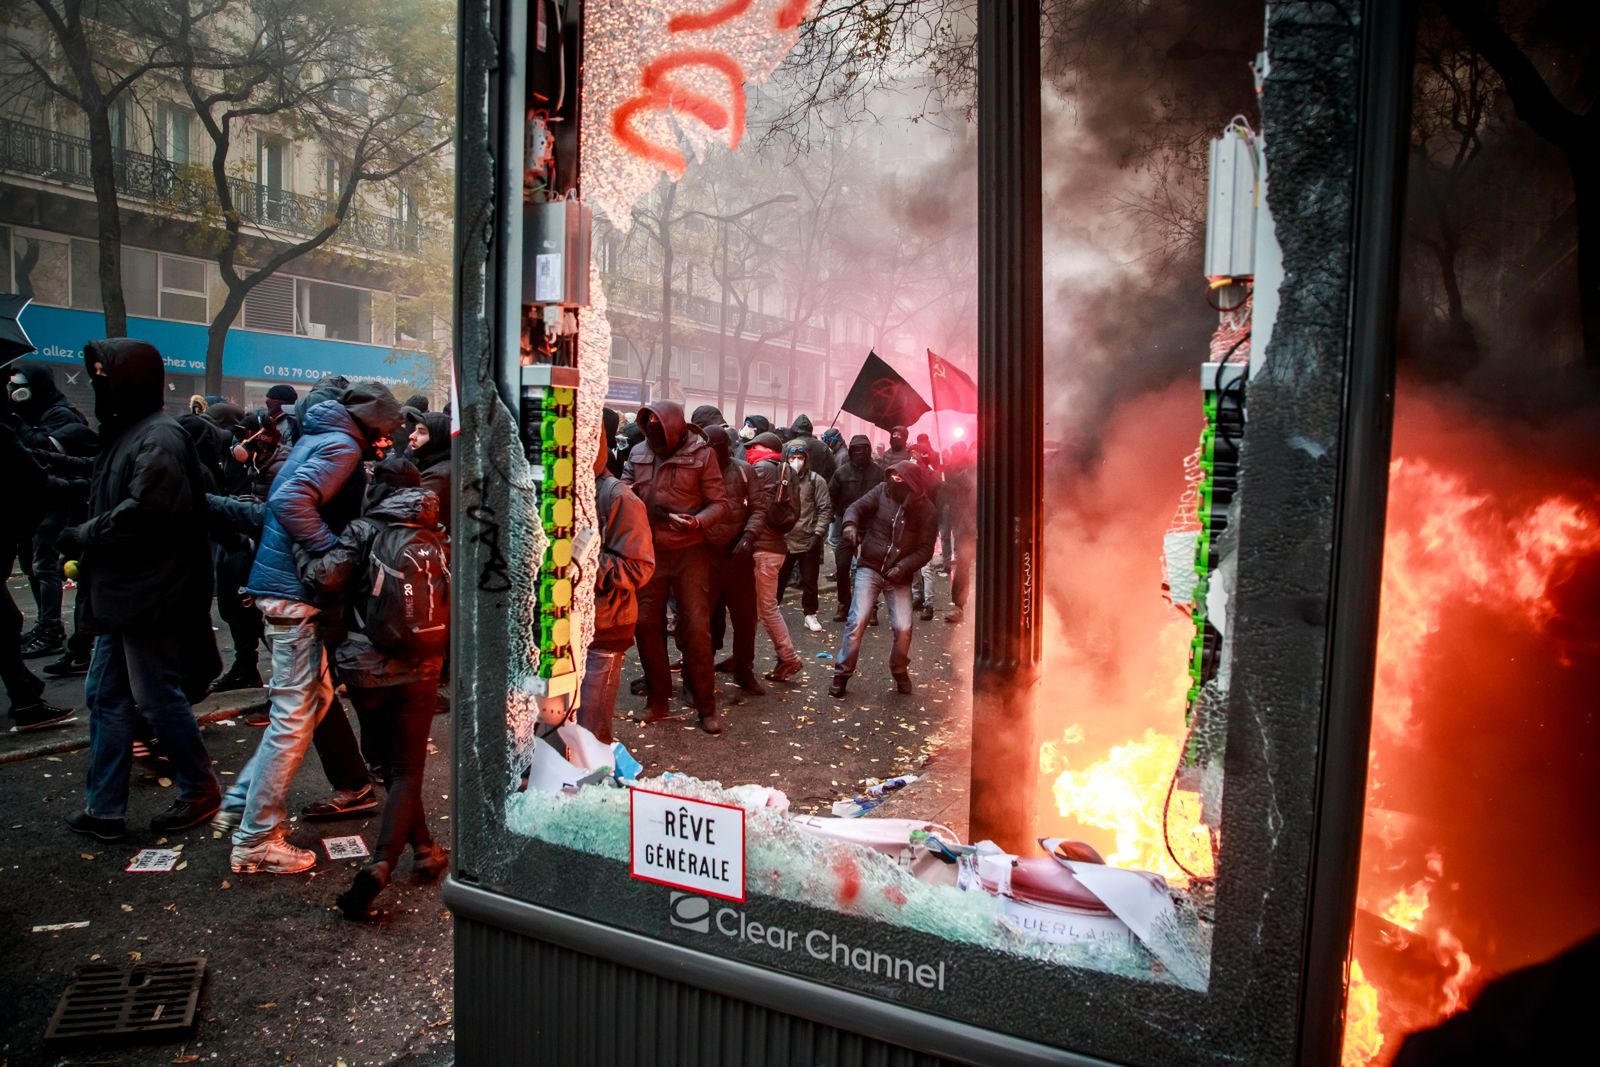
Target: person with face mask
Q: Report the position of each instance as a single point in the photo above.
(141, 591)
(856, 476)
(394, 694)
(818, 455)
(318, 492)
(893, 528)
(30, 485)
(46, 422)
(775, 485)
(804, 541)
(958, 496)
(897, 451)
(734, 575)
(753, 427)
(675, 474)
(280, 407)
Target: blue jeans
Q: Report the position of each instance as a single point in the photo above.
(868, 585)
(602, 672)
(301, 692)
(134, 676)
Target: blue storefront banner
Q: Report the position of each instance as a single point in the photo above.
(59, 334)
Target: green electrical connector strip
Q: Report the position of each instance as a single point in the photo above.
(549, 409)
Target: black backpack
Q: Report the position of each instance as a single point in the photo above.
(407, 609)
(784, 511)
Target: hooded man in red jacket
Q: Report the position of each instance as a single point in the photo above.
(675, 473)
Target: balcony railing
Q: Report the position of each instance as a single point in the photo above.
(60, 157)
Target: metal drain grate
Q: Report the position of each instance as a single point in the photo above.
(152, 998)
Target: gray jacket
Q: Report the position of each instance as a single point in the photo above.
(816, 512)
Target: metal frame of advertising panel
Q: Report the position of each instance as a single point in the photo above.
(562, 957)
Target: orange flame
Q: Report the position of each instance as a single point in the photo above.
(1362, 1038)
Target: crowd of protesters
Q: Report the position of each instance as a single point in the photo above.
(299, 509)
(705, 530)
(314, 512)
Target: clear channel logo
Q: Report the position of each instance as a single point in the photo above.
(687, 911)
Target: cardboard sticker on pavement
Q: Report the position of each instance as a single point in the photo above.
(161, 860)
(353, 847)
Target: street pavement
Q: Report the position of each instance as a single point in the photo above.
(290, 980)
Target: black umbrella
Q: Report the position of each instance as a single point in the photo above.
(14, 343)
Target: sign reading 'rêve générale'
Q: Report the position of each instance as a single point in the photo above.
(687, 844)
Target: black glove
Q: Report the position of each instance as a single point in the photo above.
(849, 536)
(743, 548)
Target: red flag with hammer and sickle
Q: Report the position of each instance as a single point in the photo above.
(952, 389)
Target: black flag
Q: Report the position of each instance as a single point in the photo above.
(882, 397)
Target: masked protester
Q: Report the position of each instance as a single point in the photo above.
(141, 591)
(428, 438)
(629, 435)
(708, 415)
(316, 495)
(893, 527)
(734, 575)
(804, 541)
(29, 485)
(280, 406)
(626, 562)
(923, 586)
(855, 477)
(45, 422)
(897, 452)
(775, 484)
(958, 497)
(675, 473)
(819, 456)
(753, 427)
(393, 691)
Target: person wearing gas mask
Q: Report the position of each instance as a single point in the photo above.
(805, 539)
(819, 455)
(46, 422)
(141, 591)
(317, 493)
(280, 406)
(856, 475)
(675, 473)
(752, 427)
(893, 528)
(734, 575)
(897, 452)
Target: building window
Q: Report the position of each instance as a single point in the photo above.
(270, 305)
(621, 358)
(700, 367)
(140, 282)
(86, 275)
(761, 375)
(172, 133)
(43, 270)
(413, 320)
(337, 312)
(183, 289)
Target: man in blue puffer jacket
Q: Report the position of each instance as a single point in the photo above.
(316, 494)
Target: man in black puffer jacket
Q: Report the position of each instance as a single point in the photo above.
(143, 592)
(852, 481)
(894, 526)
(675, 473)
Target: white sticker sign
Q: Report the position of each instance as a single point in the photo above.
(687, 844)
(153, 860)
(345, 848)
(547, 276)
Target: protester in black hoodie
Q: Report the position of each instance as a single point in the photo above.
(428, 433)
(29, 485)
(852, 481)
(143, 592)
(675, 473)
(734, 575)
(47, 423)
(819, 457)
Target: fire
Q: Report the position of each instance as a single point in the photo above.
(1362, 1038)
(1125, 793)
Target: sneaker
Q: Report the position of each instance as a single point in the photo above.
(343, 804)
(843, 614)
(727, 666)
(258, 717)
(710, 723)
(785, 670)
(638, 687)
(902, 684)
(927, 613)
(428, 863)
(40, 715)
(273, 856)
(186, 813)
(813, 625)
(66, 667)
(47, 641)
(103, 829)
(225, 822)
(955, 615)
(238, 678)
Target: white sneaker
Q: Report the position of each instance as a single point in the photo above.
(813, 625)
(275, 856)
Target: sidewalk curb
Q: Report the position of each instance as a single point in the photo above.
(51, 748)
